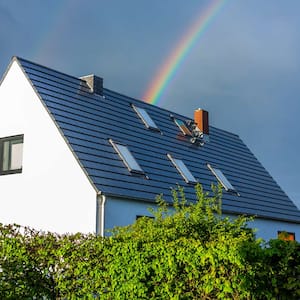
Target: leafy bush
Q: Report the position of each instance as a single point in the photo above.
(189, 251)
(282, 262)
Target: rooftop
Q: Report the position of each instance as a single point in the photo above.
(90, 121)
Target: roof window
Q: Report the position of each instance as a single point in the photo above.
(223, 180)
(182, 169)
(182, 126)
(127, 157)
(147, 120)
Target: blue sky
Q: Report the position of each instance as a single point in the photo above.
(245, 69)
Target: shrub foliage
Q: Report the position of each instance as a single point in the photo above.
(187, 251)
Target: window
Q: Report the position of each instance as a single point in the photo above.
(140, 216)
(11, 154)
(182, 169)
(127, 158)
(142, 113)
(222, 179)
(182, 126)
(286, 236)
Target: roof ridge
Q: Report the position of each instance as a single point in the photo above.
(43, 66)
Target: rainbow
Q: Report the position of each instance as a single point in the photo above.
(59, 17)
(166, 73)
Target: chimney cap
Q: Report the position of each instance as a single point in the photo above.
(95, 83)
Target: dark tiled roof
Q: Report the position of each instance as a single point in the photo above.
(88, 121)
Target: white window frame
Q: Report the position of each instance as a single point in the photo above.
(145, 117)
(127, 157)
(185, 130)
(222, 179)
(182, 169)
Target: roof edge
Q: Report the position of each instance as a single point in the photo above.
(17, 59)
(256, 216)
(12, 60)
(45, 67)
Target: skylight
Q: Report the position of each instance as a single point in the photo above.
(127, 158)
(182, 169)
(182, 126)
(142, 113)
(222, 179)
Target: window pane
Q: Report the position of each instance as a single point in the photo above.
(128, 158)
(145, 117)
(11, 150)
(183, 170)
(182, 127)
(221, 178)
(6, 156)
(16, 156)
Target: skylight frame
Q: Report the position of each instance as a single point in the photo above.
(127, 157)
(223, 180)
(183, 127)
(145, 117)
(183, 170)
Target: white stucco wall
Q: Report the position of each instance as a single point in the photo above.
(121, 212)
(52, 193)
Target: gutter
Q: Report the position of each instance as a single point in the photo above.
(100, 206)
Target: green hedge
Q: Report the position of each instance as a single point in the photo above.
(189, 252)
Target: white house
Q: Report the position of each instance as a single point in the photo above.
(75, 156)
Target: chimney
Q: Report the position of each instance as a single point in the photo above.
(95, 83)
(201, 120)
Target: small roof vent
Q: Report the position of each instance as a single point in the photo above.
(95, 83)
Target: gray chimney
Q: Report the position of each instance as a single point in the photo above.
(95, 83)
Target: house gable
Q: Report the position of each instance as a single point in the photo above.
(52, 192)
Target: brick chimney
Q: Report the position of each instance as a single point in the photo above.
(201, 120)
(95, 83)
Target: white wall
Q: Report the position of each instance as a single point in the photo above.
(52, 193)
(121, 212)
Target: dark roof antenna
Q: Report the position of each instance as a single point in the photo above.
(197, 136)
